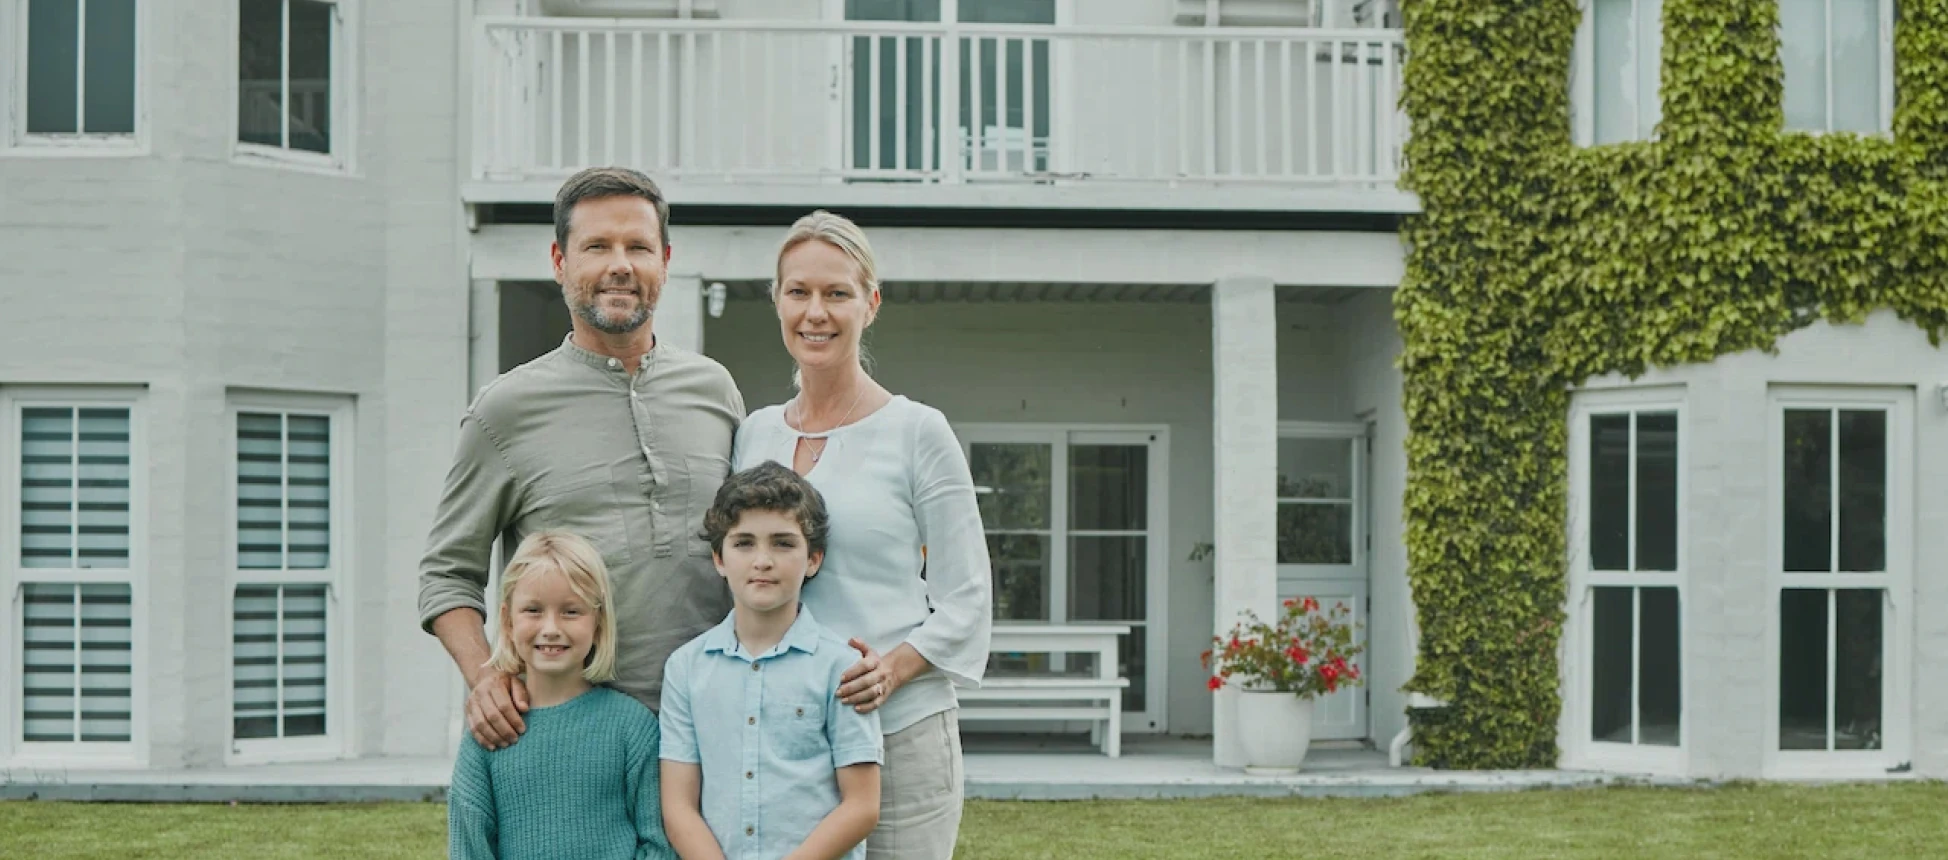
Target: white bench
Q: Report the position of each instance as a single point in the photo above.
(1097, 699)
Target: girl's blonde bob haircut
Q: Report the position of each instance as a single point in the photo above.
(575, 559)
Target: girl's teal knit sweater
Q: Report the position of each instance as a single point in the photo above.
(581, 782)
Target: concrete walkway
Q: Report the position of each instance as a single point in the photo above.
(998, 767)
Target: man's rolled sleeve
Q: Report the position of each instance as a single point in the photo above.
(475, 505)
(853, 736)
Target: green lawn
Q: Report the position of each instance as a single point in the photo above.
(1880, 822)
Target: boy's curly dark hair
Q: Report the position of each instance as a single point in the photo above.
(767, 486)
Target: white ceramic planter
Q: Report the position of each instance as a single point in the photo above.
(1275, 729)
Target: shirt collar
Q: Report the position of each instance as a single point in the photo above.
(598, 360)
(802, 636)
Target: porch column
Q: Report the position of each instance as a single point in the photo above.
(1244, 361)
(679, 313)
(483, 335)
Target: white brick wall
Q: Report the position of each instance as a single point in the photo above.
(192, 274)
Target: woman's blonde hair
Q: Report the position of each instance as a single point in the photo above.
(577, 561)
(839, 232)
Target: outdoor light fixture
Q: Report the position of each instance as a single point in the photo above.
(716, 299)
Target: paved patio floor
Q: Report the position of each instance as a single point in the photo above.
(1001, 767)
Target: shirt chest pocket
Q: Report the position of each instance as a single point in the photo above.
(591, 503)
(794, 731)
(702, 475)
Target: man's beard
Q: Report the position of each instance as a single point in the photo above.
(591, 313)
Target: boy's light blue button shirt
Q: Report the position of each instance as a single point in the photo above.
(767, 731)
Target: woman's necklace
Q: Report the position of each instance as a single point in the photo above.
(826, 436)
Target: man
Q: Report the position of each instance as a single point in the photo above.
(612, 435)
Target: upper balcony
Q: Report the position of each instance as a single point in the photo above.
(833, 113)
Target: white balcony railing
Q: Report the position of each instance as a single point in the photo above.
(777, 101)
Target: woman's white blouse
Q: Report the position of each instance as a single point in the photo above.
(895, 481)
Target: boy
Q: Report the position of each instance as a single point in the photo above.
(760, 760)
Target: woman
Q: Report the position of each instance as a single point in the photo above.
(906, 563)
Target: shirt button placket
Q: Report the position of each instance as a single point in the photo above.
(753, 808)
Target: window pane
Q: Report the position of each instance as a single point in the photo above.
(283, 491)
(260, 84)
(311, 38)
(47, 490)
(1314, 533)
(1315, 469)
(47, 638)
(1802, 669)
(1012, 484)
(278, 656)
(103, 473)
(110, 76)
(260, 491)
(53, 50)
(1802, 50)
(1609, 489)
(1808, 527)
(106, 662)
(1021, 583)
(1863, 490)
(310, 491)
(1858, 669)
(1610, 666)
(76, 638)
(1857, 64)
(1109, 487)
(1657, 491)
(1106, 581)
(304, 660)
(74, 482)
(1626, 42)
(1660, 667)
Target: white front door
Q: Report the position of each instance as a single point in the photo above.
(1322, 545)
(1076, 520)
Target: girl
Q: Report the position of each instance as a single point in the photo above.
(582, 781)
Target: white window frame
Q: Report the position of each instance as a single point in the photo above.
(344, 102)
(14, 138)
(15, 751)
(337, 739)
(1156, 651)
(1886, 72)
(1580, 750)
(1582, 94)
(1897, 628)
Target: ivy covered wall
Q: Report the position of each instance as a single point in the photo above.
(1537, 264)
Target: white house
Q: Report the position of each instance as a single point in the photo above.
(256, 256)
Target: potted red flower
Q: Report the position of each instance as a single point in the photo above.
(1279, 670)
